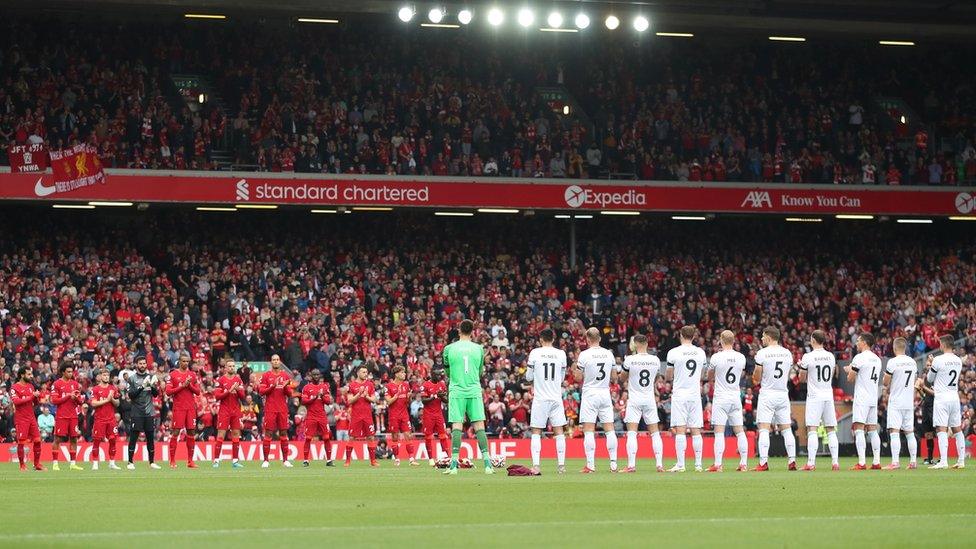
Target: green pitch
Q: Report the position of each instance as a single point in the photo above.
(417, 507)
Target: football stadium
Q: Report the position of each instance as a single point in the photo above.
(487, 273)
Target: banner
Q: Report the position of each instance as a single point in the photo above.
(27, 158)
(436, 192)
(73, 169)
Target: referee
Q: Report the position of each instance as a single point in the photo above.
(142, 416)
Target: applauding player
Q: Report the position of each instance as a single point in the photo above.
(315, 397)
(433, 393)
(104, 399)
(865, 371)
(66, 395)
(361, 395)
(397, 397)
(183, 386)
(943, 376)
(642, 371)
(901, 372)
(25, 396)
(725, 370)
(276, 388)
(229, 392)
(547, 370)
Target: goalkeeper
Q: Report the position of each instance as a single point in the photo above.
(464, 360)
(143, 386)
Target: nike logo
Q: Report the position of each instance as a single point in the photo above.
(41, 190)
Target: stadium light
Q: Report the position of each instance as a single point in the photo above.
(896, 43)
(962, 218)
(566, 110)
(853, 216)
(689, 218)
(496, 17)
(435, 15)
(215, 209)
(585, 216)
(465, 17)
(804, 219)
(787, 39)
(641, 23)
(73, 207)
(440, 25)
(373, 209)
(324, 211)
(582, 21)
(110, 204)
(256, 207)
(555, 20)
(562, 216)
(204, 16)
(612, 22)
(497, 211)
(550, 29)
(405, 14)
(618, 212)
(454, 214)
(676, 34)
(525, 17)
(915, 221)
(317, 20)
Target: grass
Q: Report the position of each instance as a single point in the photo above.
(415, 507)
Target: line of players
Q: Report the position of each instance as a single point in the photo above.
(686, 365)
(183, 386)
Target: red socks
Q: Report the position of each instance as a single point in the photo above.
(173, 441)
(96, 453)
(235, 446)
(111, 448)
(190, 446)
(71, 454)
(348, 452)
(307, 449)
(37, 454)
(371, 446)
(20, 453)
(283, 448)
(411, 450)
(265, 448)
(431, 448)
(218, 445)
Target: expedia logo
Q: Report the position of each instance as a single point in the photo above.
(576, 197)
(243, 191)
(965, 203)
(757, 199)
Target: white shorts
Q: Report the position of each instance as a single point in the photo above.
(866, 414)
(774, 408)
(903, 420)
(547, 411)
(821, 411)
(646, 409)
(726, 412)
(596, 408)
(686, 413)
(947, 414)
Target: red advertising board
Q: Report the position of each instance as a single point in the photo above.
(547, 194)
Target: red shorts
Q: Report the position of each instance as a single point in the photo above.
(361, 427)
(275, 421)
(26, 429)
(229, 421)
(398, 424)
(184, 419)
(317, 428)
(102, 430)
(66, 427)
(434, 426)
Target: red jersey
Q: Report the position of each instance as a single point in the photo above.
(362, 407)
(276, 388)
(315, 397)
(228, 397)
(105, 412)
(62, 396)
(22, 395)
(399, 406)
(184, 398)
(431, 389)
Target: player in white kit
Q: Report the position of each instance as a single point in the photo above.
(642, 370)
(773, 365)
(547, 370)
(865, 371)
(901, 372)
(685, 365)
(817, 369)
(725, 371)
(594, 366)
(943, 377)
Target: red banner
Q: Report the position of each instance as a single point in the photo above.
(27, 158)
(434, 192)
(73, 169)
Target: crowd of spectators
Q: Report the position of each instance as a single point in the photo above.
(381, 100)
(331, 294)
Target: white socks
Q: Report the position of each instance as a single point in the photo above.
(861, 446)
(589, 447)
(536, 446)
(943, 446)
(631, 448)
(813, 445)
(719, 448)
(611, 445)
(763, 446)
(961, 447)
(696, 445)
(561, 449)
(658, 447)
(875, 447)
(680, 445)
(833, 446)
(743, 444)
(912, 446)
(790, 442)
(895, 441)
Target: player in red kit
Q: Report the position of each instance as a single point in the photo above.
(276, 388)
(361, 395)
(25, 396)
(183, 386)
(66, 395)
(398, 417)
(434, 395)
(104, 399)
(229, 392)
(315, 397)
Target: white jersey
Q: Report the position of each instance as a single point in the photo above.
(687, 361)
(944, 377)
(901, 390)
(776, 362)
(641, 370)
(597, 364)
(868, 368)
(819, 365)
(548, 368)
(728, 366)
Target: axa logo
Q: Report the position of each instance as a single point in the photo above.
(965, 203)
(41, 190)
(757, 199)
(576, 197)
(243, 191)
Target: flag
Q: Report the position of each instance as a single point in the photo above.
(76, 167)
(27, 158)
